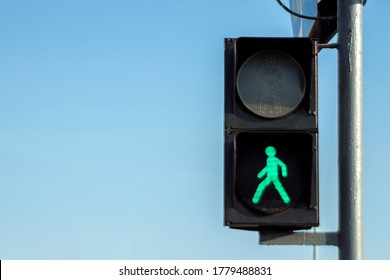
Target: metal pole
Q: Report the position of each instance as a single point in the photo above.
(350, 60)
(315, 248)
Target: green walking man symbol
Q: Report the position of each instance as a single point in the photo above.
(272, 172)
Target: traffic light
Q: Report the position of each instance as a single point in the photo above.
(271, 134)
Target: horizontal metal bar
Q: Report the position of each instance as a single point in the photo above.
(299, 238)
(328, 46)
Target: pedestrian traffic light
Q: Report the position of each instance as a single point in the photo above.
(271, 134)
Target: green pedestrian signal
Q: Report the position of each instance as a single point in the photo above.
(272, 172)
(271, 134)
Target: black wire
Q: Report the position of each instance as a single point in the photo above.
(308, 17)
(304, 16)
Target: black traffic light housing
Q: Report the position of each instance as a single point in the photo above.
(324, 30)
(259, 118)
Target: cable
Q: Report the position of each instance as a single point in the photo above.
(304, 16)
(308, 17)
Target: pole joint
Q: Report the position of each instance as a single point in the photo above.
(299, 238)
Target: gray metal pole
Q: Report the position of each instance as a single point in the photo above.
(350, 40)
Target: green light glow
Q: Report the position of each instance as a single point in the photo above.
(272, 172)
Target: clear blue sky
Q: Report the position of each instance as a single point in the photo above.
(111, 129)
